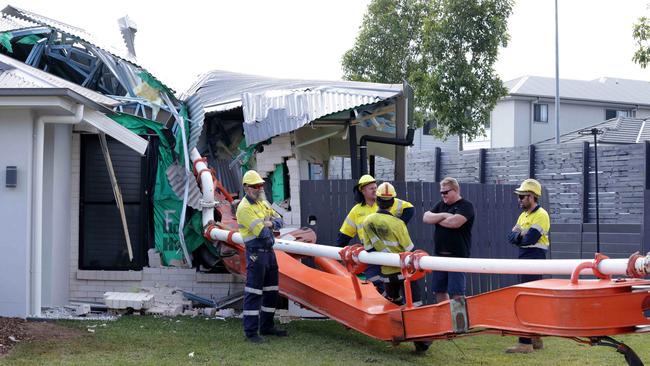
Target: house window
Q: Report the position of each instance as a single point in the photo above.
(101, 237)
(613, 113)
(540, 112)
(428, 126)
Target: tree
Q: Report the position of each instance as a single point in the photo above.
(641, 33)
(445, 49)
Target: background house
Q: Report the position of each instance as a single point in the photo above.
(527, 115)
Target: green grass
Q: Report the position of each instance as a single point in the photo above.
(135, 340)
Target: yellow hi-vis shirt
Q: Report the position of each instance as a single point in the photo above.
(251, 217)
(386, 233)
(539, 220)
(353, 223)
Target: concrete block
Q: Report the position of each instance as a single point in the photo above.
(150, 270)
(226, 313)
(154, 258)
(124, 300)
(80, 309)
(165, 310)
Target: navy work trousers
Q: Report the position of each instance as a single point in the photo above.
(261, 291)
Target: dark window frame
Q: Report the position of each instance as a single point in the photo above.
(611, 113)
(538, 116)
(145, 220)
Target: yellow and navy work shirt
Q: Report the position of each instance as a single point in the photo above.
(251, 217)
(386, 233)
(353, 223)
(539, 220)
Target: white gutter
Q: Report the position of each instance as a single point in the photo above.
(37, 202)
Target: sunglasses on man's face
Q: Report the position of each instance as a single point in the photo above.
(257, 186)
(444, 193)
(523, 196)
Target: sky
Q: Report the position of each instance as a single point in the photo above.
(177, 41)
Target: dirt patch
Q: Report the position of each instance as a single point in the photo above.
(15, 330)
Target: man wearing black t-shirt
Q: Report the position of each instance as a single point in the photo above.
(453, 217)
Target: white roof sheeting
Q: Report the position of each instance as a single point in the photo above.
(610, 90)
(273, 106)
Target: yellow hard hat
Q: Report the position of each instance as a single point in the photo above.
(365, 180)
(386, 191)
(252, 178)
(530, 186)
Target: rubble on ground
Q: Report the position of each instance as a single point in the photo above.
(161, 300)
(70, 313)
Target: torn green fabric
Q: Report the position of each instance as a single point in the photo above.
(5, 41)
(167, 206)
(30, 39)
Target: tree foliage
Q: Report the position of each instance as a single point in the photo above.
(641, 33)
(445, 49)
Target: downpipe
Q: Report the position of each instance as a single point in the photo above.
(363, 146)
(37, 203)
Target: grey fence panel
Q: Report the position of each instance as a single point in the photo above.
(495, 214)
(621, 183)
(579, 240)
(621, 175)
(496, 211)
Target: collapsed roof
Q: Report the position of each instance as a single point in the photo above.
(274, 106)
(75, 55)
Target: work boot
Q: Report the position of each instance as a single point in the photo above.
(520, 348)
(421, 347)
(275, 332)
(255, 339)
(538, 343)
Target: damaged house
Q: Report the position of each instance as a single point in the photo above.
(289, 129)
(94, 157)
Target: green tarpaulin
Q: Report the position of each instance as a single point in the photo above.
(166, 205)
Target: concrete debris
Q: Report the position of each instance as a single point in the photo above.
(13, 339)
(191, 312)
(225, 313)
(91, 330)
(68, 314)
(165, 310)
(154, 258)
(128, 300)
(80, 309)
(168, 301)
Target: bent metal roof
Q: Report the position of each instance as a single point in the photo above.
(18, 79)
(273, 106)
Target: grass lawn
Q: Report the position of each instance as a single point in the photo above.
(136, 340)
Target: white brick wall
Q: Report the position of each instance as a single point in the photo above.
(273, 154)
(91, 285)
